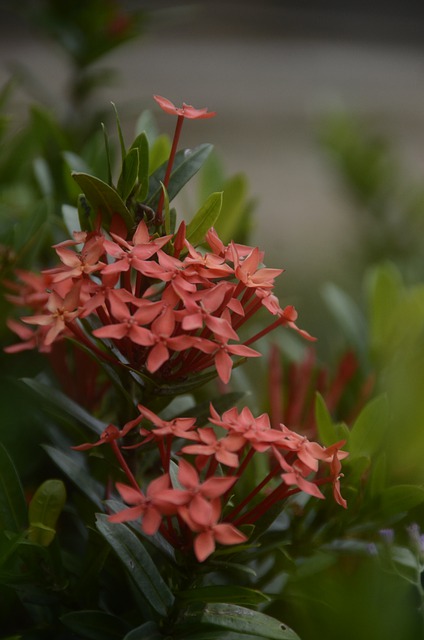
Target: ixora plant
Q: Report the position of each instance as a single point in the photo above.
(140, 313)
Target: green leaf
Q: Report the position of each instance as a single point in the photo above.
(57, 403)
(121, 137)
(44, 510)
(95, 625)
(378, 477)
(129, 174)
(384, 286)
(142, 145)
(231, 594)
(227, 617)
(204, 219)
(108, 160)
(370, 427)
(326, 430)
(347, 313)
(146, 123)
(400, 499)
(186, 164)
(13, 511)
(74, 465)
(147, 631)
(138, 563)
(104, 198)
(234, 207)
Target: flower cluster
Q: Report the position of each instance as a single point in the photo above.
(197, 481)
(169, 308)
(153, 305)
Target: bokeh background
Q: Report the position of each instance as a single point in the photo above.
(273, 70)
(320, 105)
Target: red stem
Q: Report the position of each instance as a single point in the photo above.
(178, 127)
(123, 464)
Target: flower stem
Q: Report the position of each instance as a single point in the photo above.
(178, 127)
(123, 464)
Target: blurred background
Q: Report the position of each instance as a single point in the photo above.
(320, 106)
(273, 71)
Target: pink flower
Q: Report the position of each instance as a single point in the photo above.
(150, 507)
(62, 311)
(179, 427)
(199, 493)
(210, 530)
(186, 111)
(77, 265)
(110, 434)
(222, 449)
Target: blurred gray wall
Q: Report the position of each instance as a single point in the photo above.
(270, 70)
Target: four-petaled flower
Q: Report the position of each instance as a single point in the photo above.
(186, 111)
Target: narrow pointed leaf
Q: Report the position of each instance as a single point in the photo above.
(147, 631)
(121, 137)
(368, 431)
(44, 510)
(142, 145)
(326, 430)
(129, 174)
(13, 511)
(95, 625)
(138, 564)
(227, 617)
(58, 403)
(230, 594)
(186, 164)
(204, 219)
(73, 464)
(103, 198)
(107, 150)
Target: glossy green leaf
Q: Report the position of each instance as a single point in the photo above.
(368, 431)
(231, 594)
(73, 464)
(204, 219)
(400, 499)
(147, 631)
(129, 174)
(138, 564)
(57, 403)
(326, 430)
(243, 621)
(104, 198)
(142, 146)
(13, 511)
(95, 625)
(156, 540)
(44, 510)
(186, 164)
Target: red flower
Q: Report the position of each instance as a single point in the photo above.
(186, 111)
